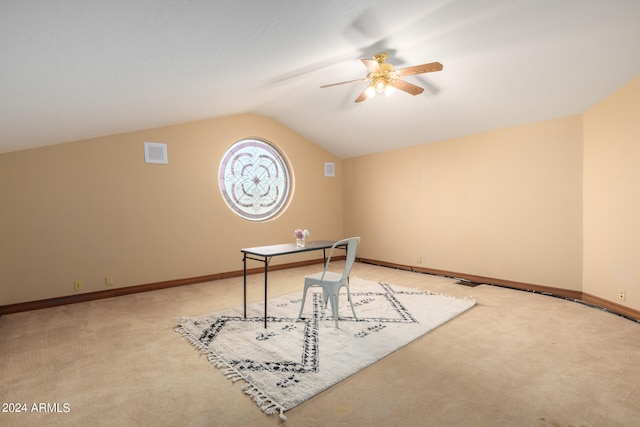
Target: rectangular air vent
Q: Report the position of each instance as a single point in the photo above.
(329, 169)
(155, 152)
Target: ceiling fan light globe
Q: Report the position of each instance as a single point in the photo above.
(370, 91)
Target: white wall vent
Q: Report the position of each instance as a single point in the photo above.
(329, 169)
(155, 152)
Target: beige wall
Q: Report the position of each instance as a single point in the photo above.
(552, 203)
(612, 196)
(505, 204)
(87, 209)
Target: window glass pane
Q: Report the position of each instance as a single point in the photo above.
(254, 179)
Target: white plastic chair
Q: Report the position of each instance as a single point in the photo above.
(330, 281)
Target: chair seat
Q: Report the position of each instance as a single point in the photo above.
(329, 276)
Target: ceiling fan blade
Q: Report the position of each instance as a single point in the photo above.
(419, 69)
(343, 83)
(372, 65)
(407, 87)
(362, 96)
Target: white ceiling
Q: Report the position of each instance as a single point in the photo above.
(74, 69)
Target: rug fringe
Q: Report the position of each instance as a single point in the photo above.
(263, 401)
(191, 339)
(267, 405)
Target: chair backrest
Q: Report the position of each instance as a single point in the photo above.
(352, 247)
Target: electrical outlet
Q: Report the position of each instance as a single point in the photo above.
(419, 260)
(622, 294)
(108, 281)
(77, 285)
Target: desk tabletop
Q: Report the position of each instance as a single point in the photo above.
(288, 248)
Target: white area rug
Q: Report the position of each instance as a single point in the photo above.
(292, 360)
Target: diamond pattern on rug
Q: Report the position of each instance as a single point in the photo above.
(293, 359)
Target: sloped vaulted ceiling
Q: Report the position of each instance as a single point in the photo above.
(79, 69)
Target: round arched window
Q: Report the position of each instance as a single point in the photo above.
(254, 179)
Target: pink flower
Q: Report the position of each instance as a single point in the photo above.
(301, 234)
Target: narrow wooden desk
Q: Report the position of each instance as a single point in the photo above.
(265, 253)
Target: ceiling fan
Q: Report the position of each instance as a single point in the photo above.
(383, 77)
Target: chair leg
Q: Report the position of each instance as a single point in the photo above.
(351, 302)
(325, 300)
(304, 296)
(334, 309)
(349, 298)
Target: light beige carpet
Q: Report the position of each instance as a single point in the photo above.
(515, 359)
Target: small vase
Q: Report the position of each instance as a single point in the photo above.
(300, 243)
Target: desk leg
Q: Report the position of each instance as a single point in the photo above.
(266, 267)
(244, 260)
